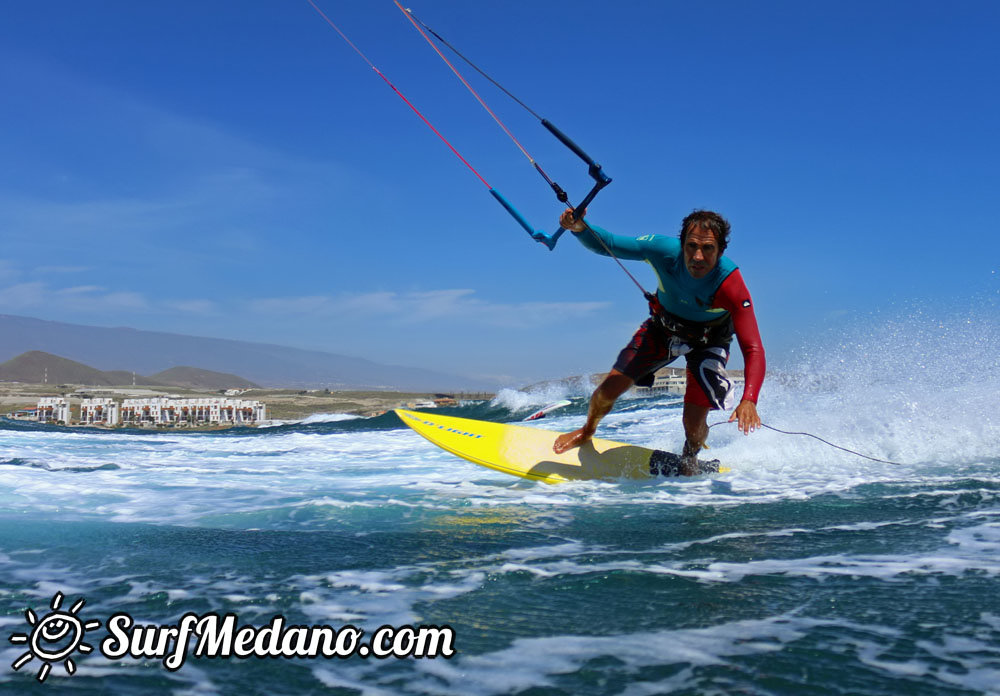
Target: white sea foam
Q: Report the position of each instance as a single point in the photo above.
(540, 663)
(176, 480)
(180, 479)
(983, 538)
(939, 425)
(375, 598)
(882, 567)
(517, 400)
(328, 418)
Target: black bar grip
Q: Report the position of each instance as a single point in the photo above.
(593, 168)
(601, 183)
(569, 143)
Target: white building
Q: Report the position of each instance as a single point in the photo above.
(148, 411)
(53, 409)
(99, 411)
(669, 380)
(673, 380)
(242, 411)
(204, 411)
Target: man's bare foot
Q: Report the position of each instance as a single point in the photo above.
(689, 460)
(689, 466)
(568, 441)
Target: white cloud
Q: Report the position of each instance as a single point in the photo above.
(79, 290)
(205, 307)
(92, 299)
(22, 296)
(425, 306)
(95, 299)
(317, 304)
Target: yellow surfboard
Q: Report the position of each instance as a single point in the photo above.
(527, 452)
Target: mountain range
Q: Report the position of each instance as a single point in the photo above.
(269, 365)
(37, 366)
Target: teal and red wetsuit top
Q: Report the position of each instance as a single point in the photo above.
(699, 300)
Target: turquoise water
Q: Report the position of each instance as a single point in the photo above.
(804, 570)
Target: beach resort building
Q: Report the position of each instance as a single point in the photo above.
(148, 411)
(99, 411)
(192, 412)
(667, 380)
(53, 409)
(673, 380)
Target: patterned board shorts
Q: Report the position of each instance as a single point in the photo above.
(651, 348)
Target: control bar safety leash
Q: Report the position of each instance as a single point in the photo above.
(817, 437)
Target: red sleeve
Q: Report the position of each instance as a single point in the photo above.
(734, 297)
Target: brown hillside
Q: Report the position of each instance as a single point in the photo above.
(36, 367)
(196, 378)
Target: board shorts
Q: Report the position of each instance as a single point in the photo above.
(651, 348)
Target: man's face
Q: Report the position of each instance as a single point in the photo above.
(701, 252)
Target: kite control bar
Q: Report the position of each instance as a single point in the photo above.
(593, 168)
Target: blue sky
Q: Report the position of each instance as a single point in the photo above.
(236, 170)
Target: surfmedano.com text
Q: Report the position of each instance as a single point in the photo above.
(220, 637)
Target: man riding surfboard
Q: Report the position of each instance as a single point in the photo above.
(701, 302)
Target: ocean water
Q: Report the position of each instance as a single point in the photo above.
(805, 570)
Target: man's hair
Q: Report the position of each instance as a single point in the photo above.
(707, 220)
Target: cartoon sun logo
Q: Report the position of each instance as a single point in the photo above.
(54, 637)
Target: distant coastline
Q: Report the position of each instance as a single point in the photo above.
(282, 404)
(36, 376)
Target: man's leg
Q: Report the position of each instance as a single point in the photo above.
(708, 388)
(601, 401)
(695, 433)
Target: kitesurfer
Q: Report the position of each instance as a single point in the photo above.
(700, 303)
